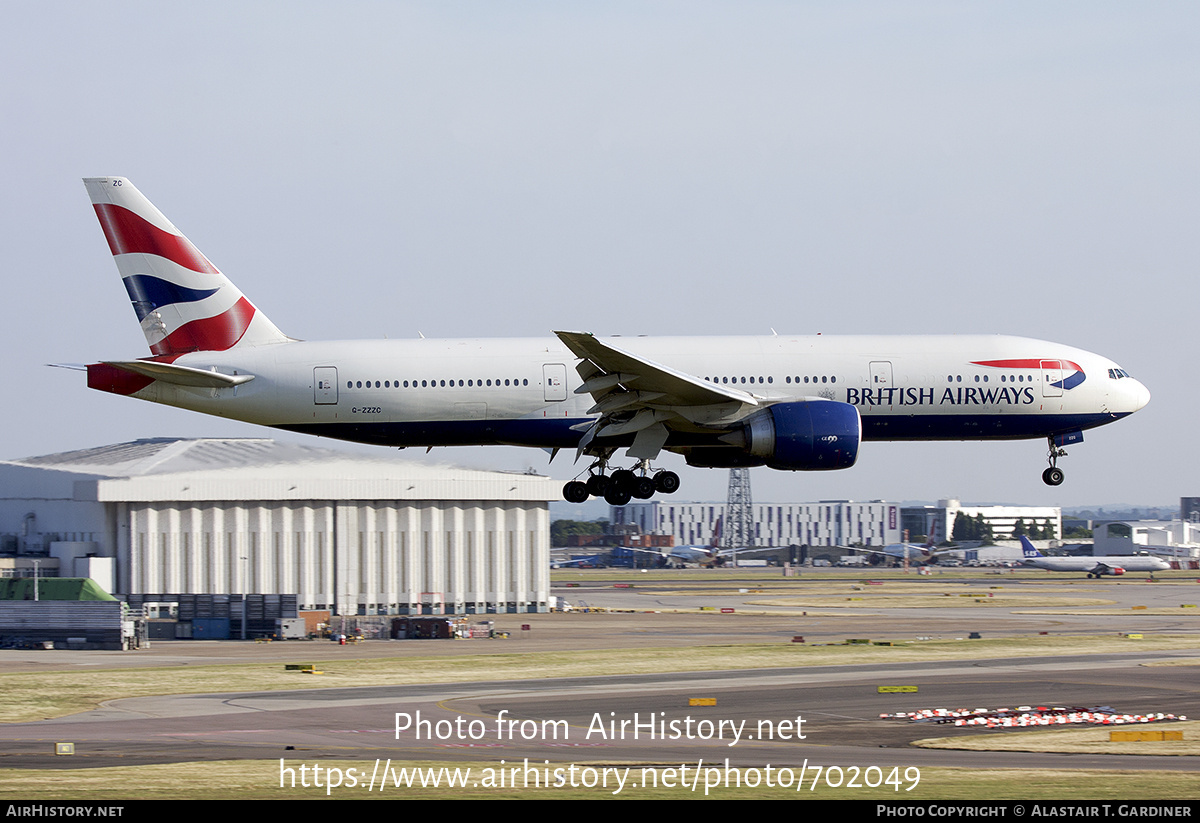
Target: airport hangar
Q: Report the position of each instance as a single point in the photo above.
(354, 535)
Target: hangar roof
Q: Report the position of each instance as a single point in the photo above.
(157, 469)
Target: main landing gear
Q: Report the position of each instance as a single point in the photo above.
(1053, 476)
(622, 485)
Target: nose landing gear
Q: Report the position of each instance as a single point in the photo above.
(1053, 476)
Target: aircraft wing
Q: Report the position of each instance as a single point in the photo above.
(635, 395)
(912, 550)
(672, 386)
(895, 555)
(947, 550)
(645, 551)
(740, 552)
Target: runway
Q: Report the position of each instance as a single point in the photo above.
(794, 718)
(835, 708)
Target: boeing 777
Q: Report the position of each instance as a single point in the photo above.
(911, 552)
(790, 402)
(701, 555)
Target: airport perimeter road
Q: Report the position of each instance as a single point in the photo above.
(578, 720)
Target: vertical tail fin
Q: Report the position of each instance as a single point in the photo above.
(182, 301)
(1028, 549)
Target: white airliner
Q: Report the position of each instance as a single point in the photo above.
(1094, 566)
(913, 552)
(790, 402)
(701, 555)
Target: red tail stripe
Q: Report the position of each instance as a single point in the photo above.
(127, 233)
(210, 334)
(108, 378)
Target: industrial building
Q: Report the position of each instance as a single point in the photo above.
(834, 522)
(1178, 539)
(826, 523)
(159, 518)
(1003, 520)
(74, 612)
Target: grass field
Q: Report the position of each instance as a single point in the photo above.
(45, 694)
(1080, 740)
(769, 574)
(40, 695)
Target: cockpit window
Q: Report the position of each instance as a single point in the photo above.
(1117, 374)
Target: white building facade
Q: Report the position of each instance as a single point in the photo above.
(940, 519)
(350, 534)
(825, 523)
(1179, 539)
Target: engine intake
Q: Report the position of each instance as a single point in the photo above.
(810, 435)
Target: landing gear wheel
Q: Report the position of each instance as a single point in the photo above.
(617, 494)
(622, 477)
(643, 488)
(575, 492)
(666, 482)
(1053, 476)
(596, 484)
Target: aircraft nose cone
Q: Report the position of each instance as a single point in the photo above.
(1141, 396)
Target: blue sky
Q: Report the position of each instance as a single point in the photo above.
(483, 169)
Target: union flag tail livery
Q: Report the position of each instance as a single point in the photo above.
(788, 402)
(182, 301)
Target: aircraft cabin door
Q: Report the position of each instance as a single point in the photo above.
(1051, 378)
(325, 386)
(881, 378)
(881, 374)
(554, 377)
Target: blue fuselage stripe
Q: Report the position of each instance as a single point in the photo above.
(558, 433)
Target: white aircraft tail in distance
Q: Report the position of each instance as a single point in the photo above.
(790, 402)
(1096, 567)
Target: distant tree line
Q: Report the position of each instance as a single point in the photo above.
(972, 528)
(560, 530)
(1035, 530)
(977, 528)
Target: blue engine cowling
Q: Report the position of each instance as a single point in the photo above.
(810, 435)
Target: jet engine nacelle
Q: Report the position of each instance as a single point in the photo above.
(810, 435)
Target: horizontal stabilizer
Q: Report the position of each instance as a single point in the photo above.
(180, 375)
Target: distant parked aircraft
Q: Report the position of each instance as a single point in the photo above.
(1094, 566)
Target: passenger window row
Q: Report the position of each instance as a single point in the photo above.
(1004, 378)
(422, 384)
(762, 380)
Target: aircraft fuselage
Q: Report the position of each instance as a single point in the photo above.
(427, 392)
(799, 403)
